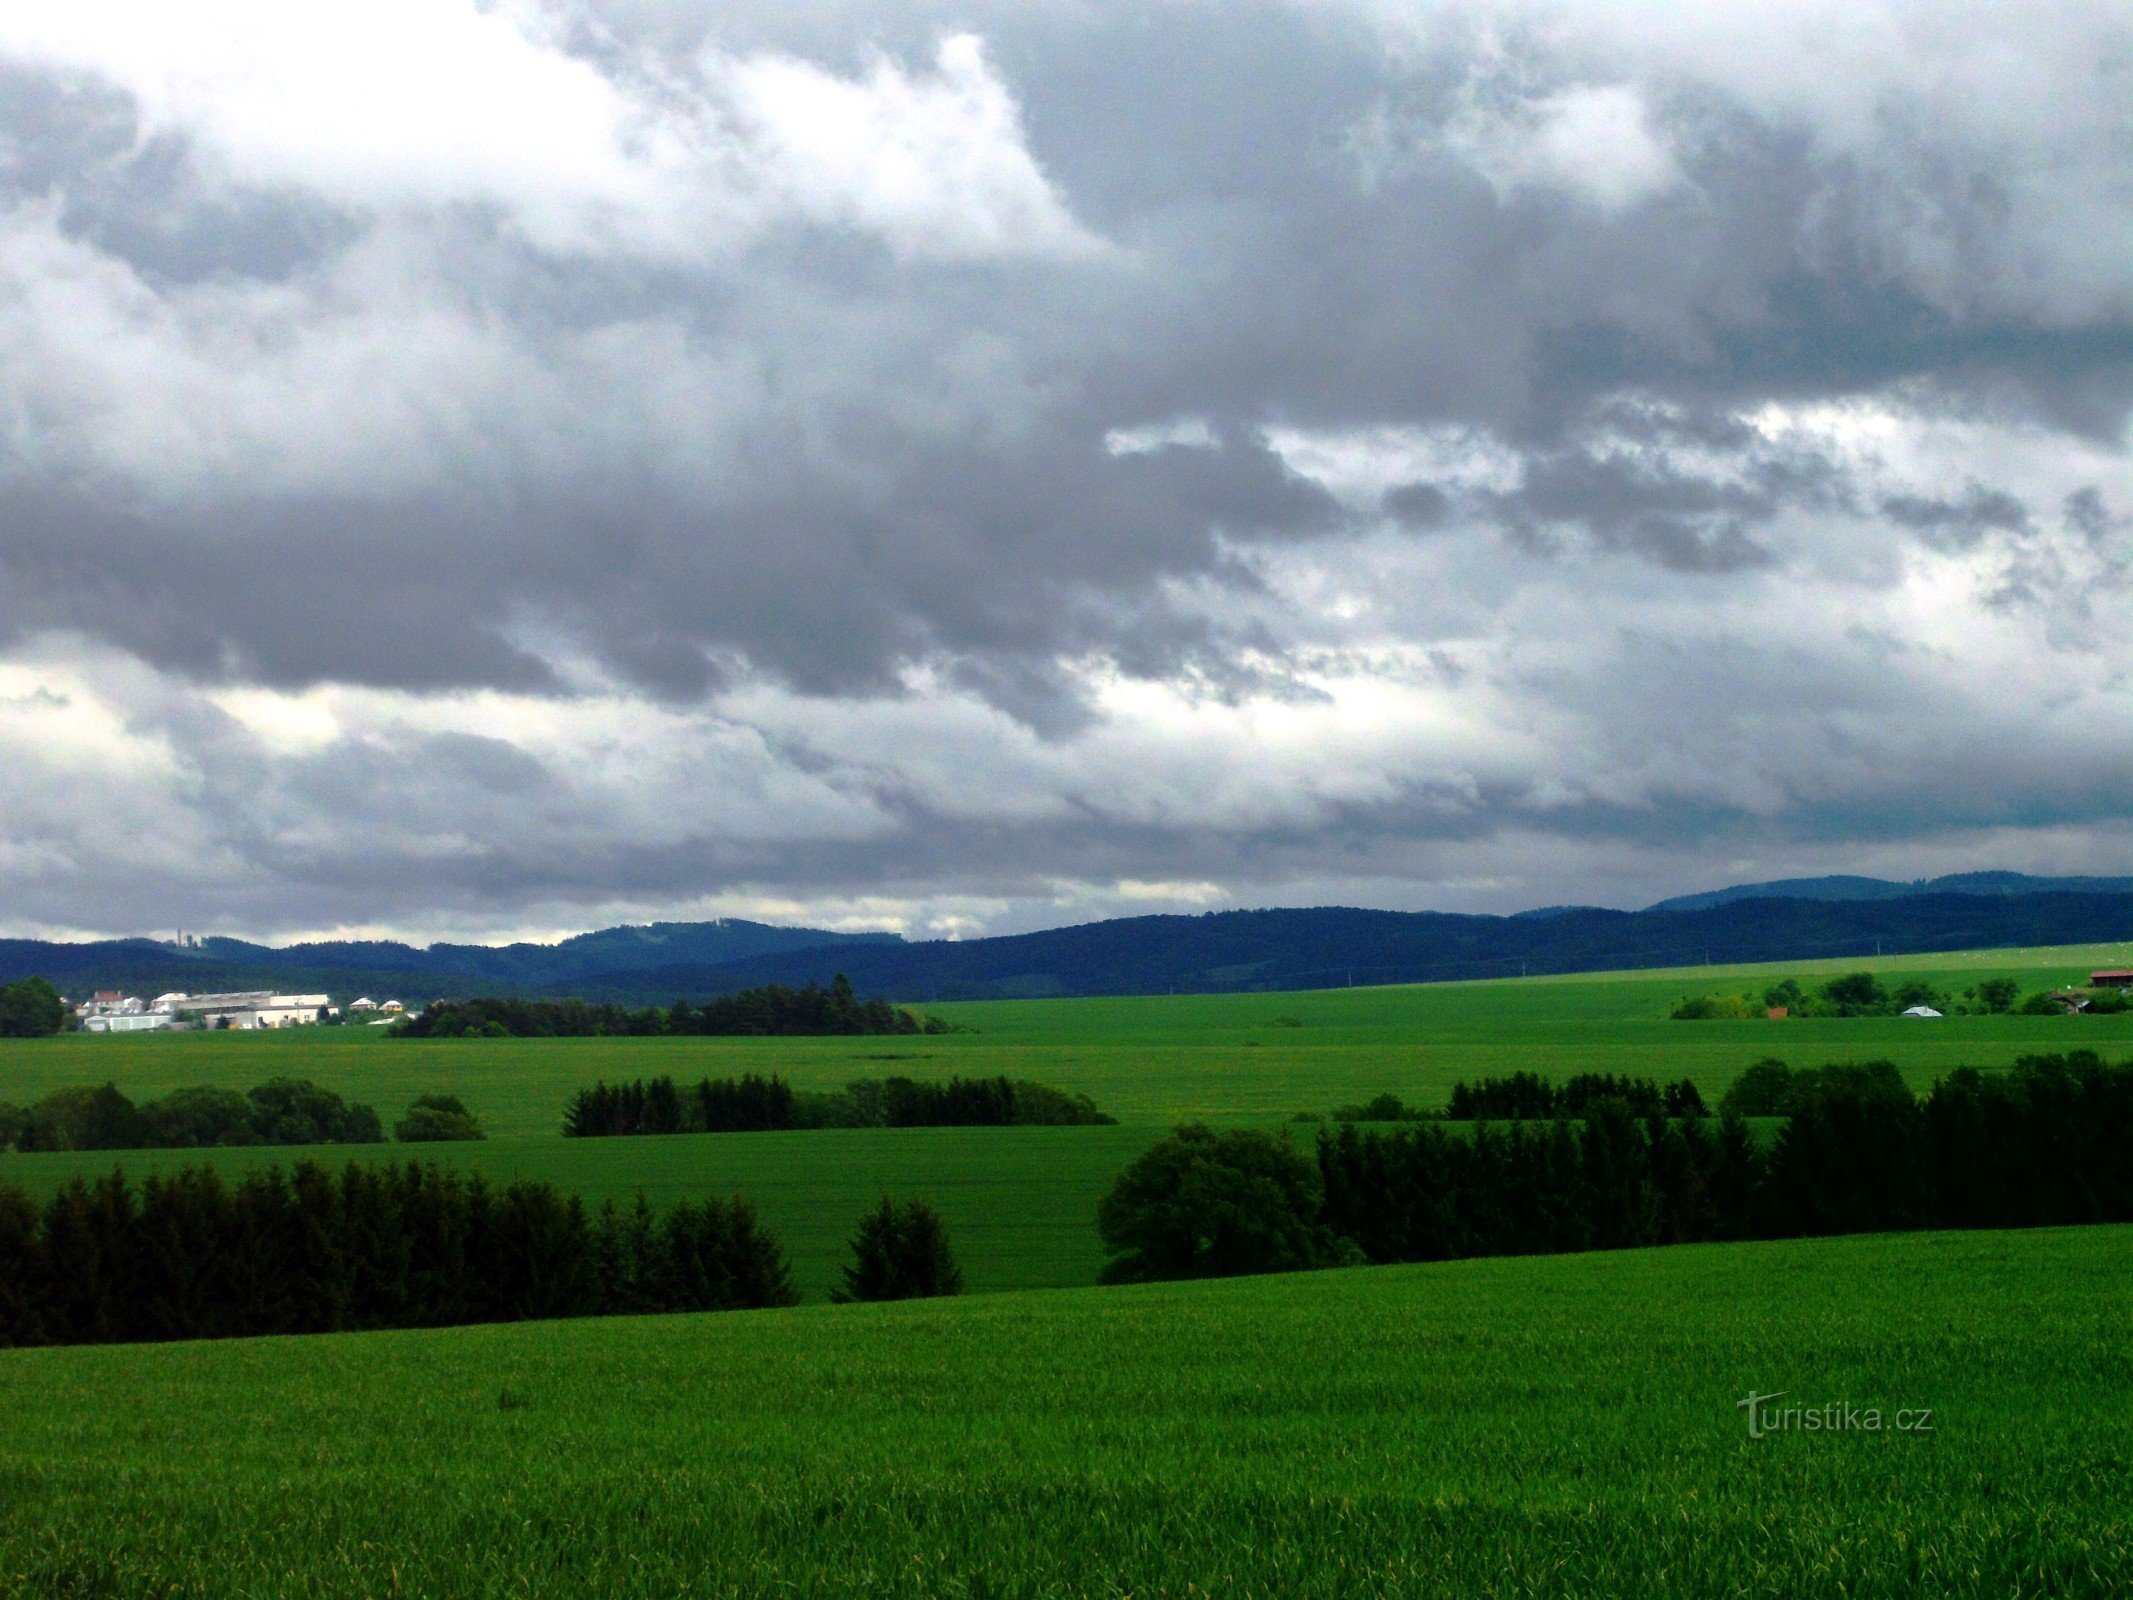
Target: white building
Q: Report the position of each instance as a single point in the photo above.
(257, 1008)
(362, 1003)
(127, 1022)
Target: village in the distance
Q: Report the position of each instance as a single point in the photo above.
(110, 1011)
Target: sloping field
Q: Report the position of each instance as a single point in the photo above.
(1153, 1059)
(1020, 1203)
(1550, 1426)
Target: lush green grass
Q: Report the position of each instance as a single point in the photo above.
(1153, 1059)
(1020, 1203)
(1558, 1426)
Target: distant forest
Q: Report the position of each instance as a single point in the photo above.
(772, 1010)
(1218, 952)
(751, 1104)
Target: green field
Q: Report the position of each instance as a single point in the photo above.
(1154, 1059)
(1546, 1426)
(1021, 1203)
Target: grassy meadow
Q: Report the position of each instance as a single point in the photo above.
(1513, 1427)
(1020, 1202)
(1540, 1426)
(1155, 1059)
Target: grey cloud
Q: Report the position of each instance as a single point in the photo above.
(444, 457)
(1959, 523)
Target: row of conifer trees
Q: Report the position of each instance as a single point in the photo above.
(2048, 1143)
(190, 1256)
(753, 1104)
(772, 1010)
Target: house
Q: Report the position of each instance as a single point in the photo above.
(110, 1003)
(362, 1003)
(1921, 1011)
(392, 1006)
(2112, 978)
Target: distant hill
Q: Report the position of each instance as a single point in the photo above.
(1844, 888)
(606, 960)
(1327, 947)
(1220, 951)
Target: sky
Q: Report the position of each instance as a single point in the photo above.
(489, 470)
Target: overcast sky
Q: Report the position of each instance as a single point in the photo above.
(475, 469)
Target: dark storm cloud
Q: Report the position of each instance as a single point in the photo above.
(842, 536)
(835, 435)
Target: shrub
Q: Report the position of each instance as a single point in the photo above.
(1856, 994)
(2041, 1005)
(1384, 1108)
(83, 1119)
(1996, 995)
(900, 1253)
(30, 1008)
(298, 1111)
(196, 1118)
(1201, 1204)
(1763, 1090)
(436, 1119)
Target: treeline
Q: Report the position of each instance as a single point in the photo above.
(189, 1256)
(2050, 1142)
(280, 1111)
(1527, 1096)
(1862, 994)
(770, 1011)
(751, 1104)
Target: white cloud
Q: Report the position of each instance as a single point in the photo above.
(1190, 433)
(386, 105)
(1595, 141)
(936, 166)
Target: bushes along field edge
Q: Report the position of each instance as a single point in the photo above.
(2049, 1143)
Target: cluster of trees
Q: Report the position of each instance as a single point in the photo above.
(1527, 1096)
(771, 1010)
(751, 1104)
(280, 1111)
(900, 1252)
(2050, 1142)
(437, 1119)
(30, 1008)
(1769, 1088)
(1862, 994)
(190, 1256)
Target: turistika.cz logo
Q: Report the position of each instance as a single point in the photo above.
(1765, 1417)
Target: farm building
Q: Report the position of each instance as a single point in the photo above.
(2112, 978)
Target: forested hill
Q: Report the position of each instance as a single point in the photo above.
(1329, 947)
(603, 962)
(1850, 888)
(1227, 950)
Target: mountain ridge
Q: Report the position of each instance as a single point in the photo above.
(1211, 952)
